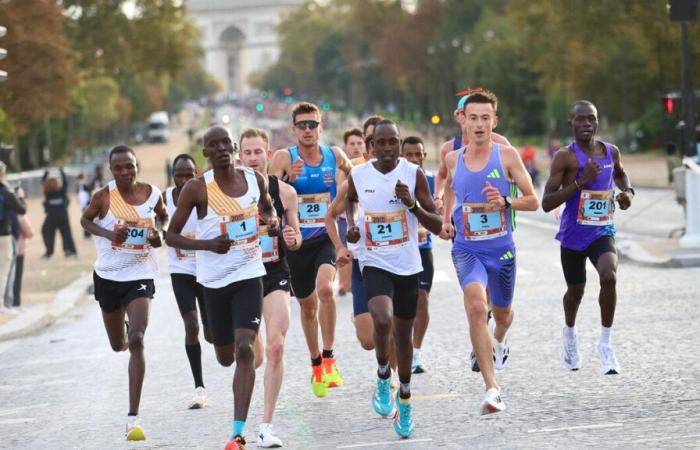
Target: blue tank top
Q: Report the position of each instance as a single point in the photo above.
(314, 180)
(484, 229)
(431, 184)
(457, 144)
(578, 229)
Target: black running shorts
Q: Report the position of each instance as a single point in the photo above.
(402, 289)
(188, 293)
(113, 295)
(277, 278)
(304, 264)
(574, 263)
(237, 305)
(425, 278)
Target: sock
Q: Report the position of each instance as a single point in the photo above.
(316, 361)
(416, 353)
(327, 354)
(605, 335)
(405, 390)
(131, 419)
(237, 428)
(194, 354)
(383, 371)
(569, 332)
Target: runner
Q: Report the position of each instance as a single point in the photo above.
(183, 271)
(255, 152)
(122, 216)
(313, 170)
(229, 260)
(583, 175)
(369, 124)
(481, 178)
(393, 197)
(413, 149)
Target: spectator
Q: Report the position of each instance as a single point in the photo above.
(56, 208)
(26, 231)
(529, 154)
(9, 203)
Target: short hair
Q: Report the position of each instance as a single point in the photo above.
(371, 120)
(184, 156)
(386, 122)
(482, 97)
(253, 133)
(120, 149)
(304, 108)
(352, 132)
(579, 103)
(412, 140)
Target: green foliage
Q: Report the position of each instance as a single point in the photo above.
(97, 100)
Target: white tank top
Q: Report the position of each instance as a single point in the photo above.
(179, 260)
(237, 217)
(388, 231)
(133, 259)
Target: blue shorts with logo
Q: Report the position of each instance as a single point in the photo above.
(492, 269)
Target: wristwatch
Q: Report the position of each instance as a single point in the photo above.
(508, 200)
(629, 189)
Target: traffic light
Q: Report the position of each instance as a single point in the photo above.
(288, 91)
(326, 106)
(3, 53)
(668, 105)
(671, 103)
(435, 120)
(259, 107)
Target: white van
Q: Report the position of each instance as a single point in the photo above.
(158, 127)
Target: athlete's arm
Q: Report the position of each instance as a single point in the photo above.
(423, 206)
(441, 174)
(447, 230)
(98, 207)
(343, 255)
(279, 166)
(265, 206)
(342, 161)
(500, 139)
(554, 193)
(193, 195)
(518, 173)
(622, 181)
(290, 232)
(161, 222)
(351, 199)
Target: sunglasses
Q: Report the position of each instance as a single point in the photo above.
(307, 124)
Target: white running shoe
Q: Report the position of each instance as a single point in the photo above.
(492, 402)
(199, 400)
(569, 351)
(608, 362)
(500, 354)
(266, 438)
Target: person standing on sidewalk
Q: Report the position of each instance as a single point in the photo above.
(26, 231)
(9, 203)
(584, 175)
(56, 207)
(122, 218)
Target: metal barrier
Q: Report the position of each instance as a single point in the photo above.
(692, 201)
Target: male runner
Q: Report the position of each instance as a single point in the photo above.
(393, 197)
(313, 170)
(255, 152)
(183, 271)
(122, 216)
(354, 143)
(369, 124)
(480, 178)
(584, 175)
(413, 149)
(229, 260)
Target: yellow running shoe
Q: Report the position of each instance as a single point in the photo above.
(134, 432)
(331, 374)
(319, 386)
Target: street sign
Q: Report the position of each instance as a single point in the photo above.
(683, 10)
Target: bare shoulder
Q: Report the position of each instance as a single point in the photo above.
(286, 190)
(451, 158)
(500, 139)
(445, 148)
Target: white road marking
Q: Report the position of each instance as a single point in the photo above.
(9, 387)
(15, 421)
(9, 412)
(380, 444)
(578, 427)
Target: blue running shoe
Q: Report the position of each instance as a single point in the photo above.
(403, 417)
(382, 402)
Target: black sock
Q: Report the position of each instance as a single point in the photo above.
(316, 361)
(194, 354)
(327, 354)
(132, 414)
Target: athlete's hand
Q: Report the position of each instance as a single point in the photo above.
(493, 195)
(353, 234)
(342, 256)
(273, 226)
(590, 172)
(119, 235)
(154, 238)
(401, 191)
(624, 199)
(297, 169)
(438, 205)
(289, 236)
(447, 231)
(220, 244)
(422, 233)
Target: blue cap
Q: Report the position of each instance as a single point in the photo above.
(462, 101)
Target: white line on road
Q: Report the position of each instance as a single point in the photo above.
(8, 412)
(9, 387)
(14, 421)
(578, 427)
(379, 444)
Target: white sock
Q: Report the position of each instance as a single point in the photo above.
(569, 332)
(605, 335)
(416, 353)
(130, 420)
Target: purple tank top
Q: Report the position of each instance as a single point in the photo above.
(485, 229)
(578, 228)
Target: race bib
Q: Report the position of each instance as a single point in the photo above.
(242, 227)
(137, 231)
(595, 208)
(483, 221)
(181, 253)
(385, 229)
(269, 246)
(312, 209)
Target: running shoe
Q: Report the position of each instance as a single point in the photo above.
(492, 402)
(382, 401)
(500, 354)
(331, 374)
(199, 400)
(237, 443)
(133, 430)
(266, 438)
(416, 366)
(569, 351)
(475, 363)
(608, 362)
(403, 417)
(318, 381)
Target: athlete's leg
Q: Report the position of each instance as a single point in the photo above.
(364, 330)
(137, 310)
(403, 337)
(422, 319)
(326, 313)
(276, 311)
(259, 350)
(203, 314)
(309, 323)
(573, 264)
(477, 310)
(607, 270)
(114, 325)
(244, 375)
(381, 312)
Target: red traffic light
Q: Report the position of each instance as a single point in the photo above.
(668, 105)
(288, 91)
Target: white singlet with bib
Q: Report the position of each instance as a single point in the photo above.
(180, 260)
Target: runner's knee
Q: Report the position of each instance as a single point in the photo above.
(275, 352)
(574, 293)
(244, 351)
(135, 341)
(608, 279)
(325, 292)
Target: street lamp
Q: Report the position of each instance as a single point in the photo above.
(3, 53)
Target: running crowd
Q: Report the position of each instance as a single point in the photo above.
(247, 234)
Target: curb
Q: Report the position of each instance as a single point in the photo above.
(45, 315)
(635, 253)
